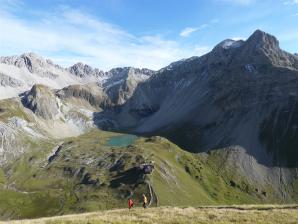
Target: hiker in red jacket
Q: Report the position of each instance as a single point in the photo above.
(130, 203)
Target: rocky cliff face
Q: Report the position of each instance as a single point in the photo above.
(117, 86)
(83, 70)
(91, 93)
(41, 100)
(123, 82)
(6, 80)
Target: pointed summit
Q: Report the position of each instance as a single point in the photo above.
(261, 39)
(262, 49)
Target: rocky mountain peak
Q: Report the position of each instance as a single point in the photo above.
(259, 50)
(32, 56)
(32, 61)
(34, 64)
(83, 70)
(261, 39)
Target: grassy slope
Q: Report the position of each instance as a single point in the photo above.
(243, 214)
(10, 108)
(182, 178)
(87, 175)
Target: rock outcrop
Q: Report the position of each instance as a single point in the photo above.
(6, 80)
(91, 93)
(42, 101)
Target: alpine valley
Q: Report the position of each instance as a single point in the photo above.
(219, 129)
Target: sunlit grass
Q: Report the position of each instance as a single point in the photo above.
(260, 214)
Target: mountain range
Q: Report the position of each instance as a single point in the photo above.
(20, 73)
(220, 128)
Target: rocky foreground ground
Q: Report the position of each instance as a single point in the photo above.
(261, 214)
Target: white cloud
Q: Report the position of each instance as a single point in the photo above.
(291, 2)
(68, 36)
(189, 30)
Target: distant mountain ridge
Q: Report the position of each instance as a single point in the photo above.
(20, 73)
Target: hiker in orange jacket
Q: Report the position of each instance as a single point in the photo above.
(145, 201)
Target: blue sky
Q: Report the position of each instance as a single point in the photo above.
(140, 33)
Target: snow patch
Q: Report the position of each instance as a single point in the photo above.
(227, 44)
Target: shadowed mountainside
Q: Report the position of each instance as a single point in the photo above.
(241, 93)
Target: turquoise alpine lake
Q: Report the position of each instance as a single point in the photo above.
(121, 140)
